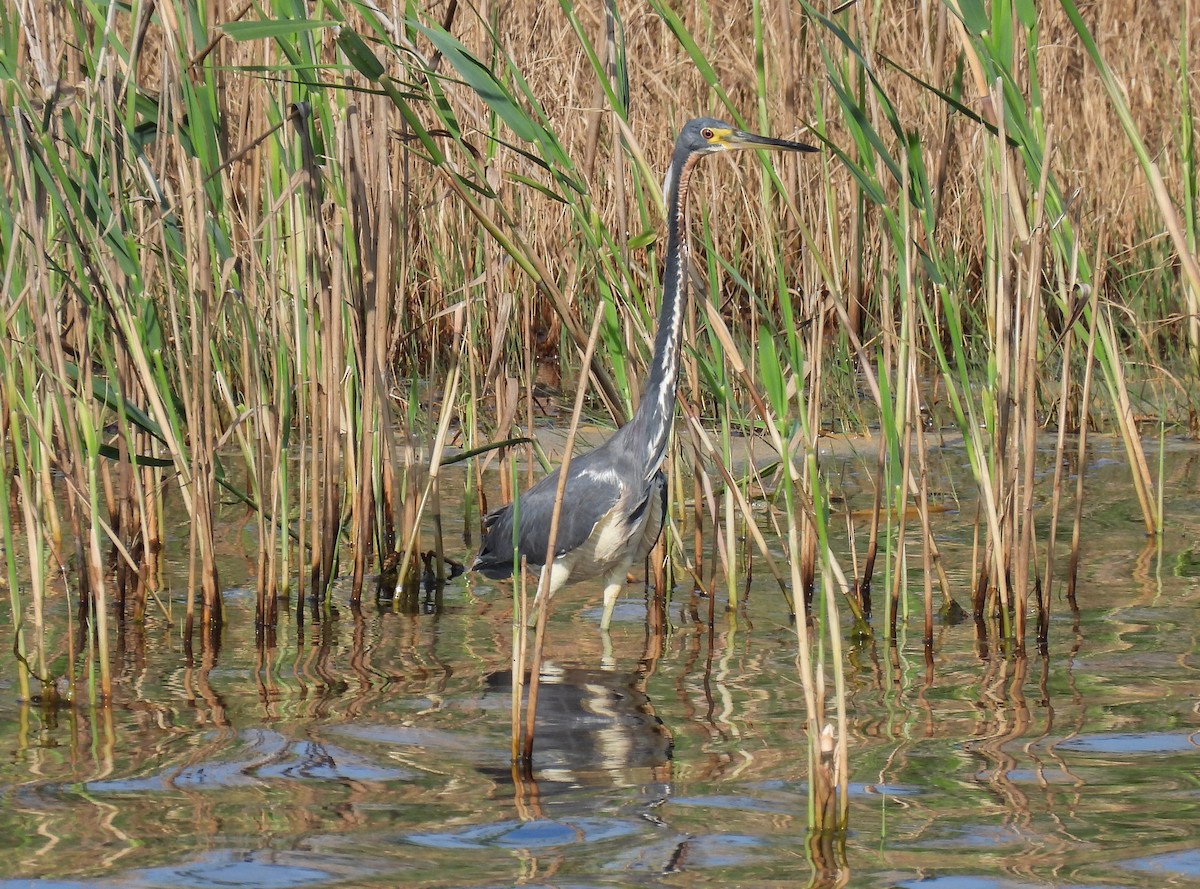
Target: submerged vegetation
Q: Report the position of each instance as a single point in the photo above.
(300, 255)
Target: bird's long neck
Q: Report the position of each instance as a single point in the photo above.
(655, 413)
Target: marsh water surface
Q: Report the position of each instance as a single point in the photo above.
(371, 748)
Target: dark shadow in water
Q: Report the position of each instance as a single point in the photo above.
(594, 728)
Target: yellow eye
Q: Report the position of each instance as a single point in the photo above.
(707, 134)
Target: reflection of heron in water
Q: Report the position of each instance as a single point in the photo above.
(604, 771)
(614, 501)
(594, 728)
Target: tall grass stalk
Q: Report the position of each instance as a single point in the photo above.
(543, 587)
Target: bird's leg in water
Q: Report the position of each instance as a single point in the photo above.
(608, 661)
(559, 574)
(612, 589)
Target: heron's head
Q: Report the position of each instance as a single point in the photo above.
(706, 135)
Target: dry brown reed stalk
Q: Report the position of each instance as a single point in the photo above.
(807, 440)
(1060, 444)
(922, 495)
(704, 510)
(1029, 277)
(369, 315)
(698, 500)
(199, 407)
(913, 427)
(520, 647)
(543, 591)
(704, 506)
(328, 293)
(900, 565)
(728, 522)
(1002, 316)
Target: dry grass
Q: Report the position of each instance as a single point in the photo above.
(1139, 41)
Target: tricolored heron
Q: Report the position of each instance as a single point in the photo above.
(615, 496)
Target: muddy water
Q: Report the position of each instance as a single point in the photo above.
(372, 748)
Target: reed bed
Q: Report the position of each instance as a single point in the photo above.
(302, 255)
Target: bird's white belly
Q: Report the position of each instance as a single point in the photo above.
(607, 547)
(613, 546)
(612, 538)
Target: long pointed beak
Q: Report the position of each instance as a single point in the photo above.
(742, 139)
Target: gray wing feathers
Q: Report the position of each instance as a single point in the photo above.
(588, 497)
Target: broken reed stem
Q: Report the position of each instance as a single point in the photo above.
(900, 563)
(866, 577)
(922, 495)
(1081, 450)
(520, 636)
(1060, 443)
